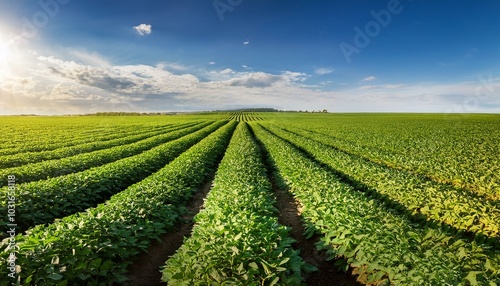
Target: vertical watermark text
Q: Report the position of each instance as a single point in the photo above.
(11, 225)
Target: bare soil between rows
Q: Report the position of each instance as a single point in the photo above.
(145, 271)
(327, 273)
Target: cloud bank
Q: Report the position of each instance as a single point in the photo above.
(88, 83)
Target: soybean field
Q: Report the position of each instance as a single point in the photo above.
(250, 198)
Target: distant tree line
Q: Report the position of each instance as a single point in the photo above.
(249, 110)
(129, 113)
(307, 111)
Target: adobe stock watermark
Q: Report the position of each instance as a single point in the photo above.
(372, 29)
(223, 6)
(30, 26)
(484, 89)
(12, 226)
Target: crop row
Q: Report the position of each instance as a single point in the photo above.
(95, 247)
(461, 209)
(58, 167)
(237, 238)
(370, 236)
(33, 157)
(16, 135)
(43, 137)
(244, 116)
(458, 151)
(43, 201)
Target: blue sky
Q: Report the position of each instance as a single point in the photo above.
(75, 56)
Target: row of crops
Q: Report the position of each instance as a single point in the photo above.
(86, 210)
(244, 116)
(95, 247)
(374, 234)
(460, 150)
(237, 238)
(33, 134)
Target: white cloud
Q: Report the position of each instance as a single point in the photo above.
(471, 96)
(143, 29)
(229, 77)
(89, 83)
(218, 75)
(386, 86)
(173, 66)
(246, 42)
(370, 78)
(93, 58)
(211, 63)
(365, 87)
(295, 76)
(257, 79)
(130, 79)
(227, 71)
(324, 70)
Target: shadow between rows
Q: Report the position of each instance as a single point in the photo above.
(418, 218)
(145, 270)
(289, 215)
(68, 200)
(400, 168)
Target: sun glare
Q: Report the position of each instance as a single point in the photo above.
(3, 50)
(5, 54)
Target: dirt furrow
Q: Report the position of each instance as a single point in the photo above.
(145, 271)
(327, 273)
(289, 215)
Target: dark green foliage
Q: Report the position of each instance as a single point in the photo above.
(96, 246)
(237, 239)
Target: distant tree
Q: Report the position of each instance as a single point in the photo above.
(324, 111)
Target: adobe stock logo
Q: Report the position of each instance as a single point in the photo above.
(372, 29)
(484, 90)
(222, 7)
(48, 9)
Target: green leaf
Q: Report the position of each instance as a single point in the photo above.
(285, 260)
(215, 275)
(471, 277)
(253, 265)
(235, 250)
(240, 268)
(55, 276)
(375, 276)
(96, 263)
(266, 268)
(275, 281)
(106, 265)
(308, 268)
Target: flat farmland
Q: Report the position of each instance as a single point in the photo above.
(251, 198)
